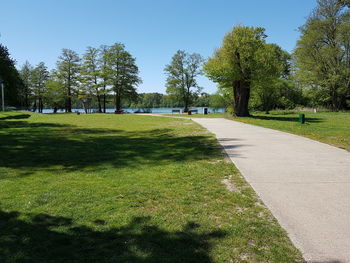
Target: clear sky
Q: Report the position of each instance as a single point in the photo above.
(152, 30)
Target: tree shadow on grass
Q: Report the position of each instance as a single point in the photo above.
(18, 116)
(288, 119)
(44, 238)
(47, 145)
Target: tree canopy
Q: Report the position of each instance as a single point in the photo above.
(245, 61)
(322, 56)
(181, 76)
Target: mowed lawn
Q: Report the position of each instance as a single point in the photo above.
(328, 127)
(126, 188)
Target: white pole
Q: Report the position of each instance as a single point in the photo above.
(2, 96)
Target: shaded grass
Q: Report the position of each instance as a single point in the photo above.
(328, 127)
(124, 188)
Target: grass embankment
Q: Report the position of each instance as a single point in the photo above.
(328, 127)
(124, 188)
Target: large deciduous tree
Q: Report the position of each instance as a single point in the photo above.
(322, 56)
(181, 76)
(243, 61)
(122, 73)
(68, 69)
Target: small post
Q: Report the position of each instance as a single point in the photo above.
(2, 95)
(301, 118)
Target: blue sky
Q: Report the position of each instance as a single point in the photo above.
(152, 30)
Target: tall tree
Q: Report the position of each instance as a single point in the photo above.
(11, 78)
(243, 61)
(39, 78)
(103, 64)
(181, 76)
(322, 56)
(122, 73)
(90, 73)
(55, 94)
(68, 69)
(26, 76)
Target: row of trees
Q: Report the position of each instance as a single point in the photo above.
(261, 75)
(100, 72)
(250, 72)
(158, 100)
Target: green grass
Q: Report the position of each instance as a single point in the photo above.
(125, 188)
(328, 127)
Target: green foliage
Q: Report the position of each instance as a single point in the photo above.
(68, 69)
(39, 77)
(322, 55)
(12, 82)
(181, 77)
(55, 93)
(89, 78)
(244, 62)
(26, 77)
(218, 100)
(122, 73)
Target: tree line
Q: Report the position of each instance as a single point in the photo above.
(101, 74)
(250, 73)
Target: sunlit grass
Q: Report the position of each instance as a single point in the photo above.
(328, 127)
(125, 188)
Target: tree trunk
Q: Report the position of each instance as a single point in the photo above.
(99, 103)
(104, 102)
(40, 105)
(241, 91)
(118, 104)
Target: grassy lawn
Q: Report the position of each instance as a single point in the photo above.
(328, 127)
(126, 188)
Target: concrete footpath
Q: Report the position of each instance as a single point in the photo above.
(305, 184)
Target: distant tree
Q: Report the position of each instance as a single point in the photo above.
(181, 76)
(150, 100)
(68, 69)
(12, 81)
(103, 64)
(122, 73)
(218, 101)
(202, 100)
(322, 55)
(26, 76)
(55, 94)
(243, 61)
(39, 78)
(90, 74)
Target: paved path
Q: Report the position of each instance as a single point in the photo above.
(306, 184)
